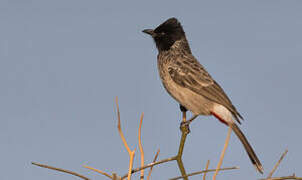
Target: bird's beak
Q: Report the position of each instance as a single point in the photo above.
(149, 31)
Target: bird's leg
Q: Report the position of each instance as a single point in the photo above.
(184, 113)
(184, 125)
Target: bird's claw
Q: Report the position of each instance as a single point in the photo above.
(185, 127)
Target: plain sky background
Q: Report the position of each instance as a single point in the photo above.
(62, 62)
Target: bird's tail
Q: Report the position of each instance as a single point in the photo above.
(248, 147)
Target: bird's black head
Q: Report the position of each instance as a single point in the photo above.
(166, 34)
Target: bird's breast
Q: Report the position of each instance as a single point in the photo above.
(189, 99)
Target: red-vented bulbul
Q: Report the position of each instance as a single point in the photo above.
(187, 81)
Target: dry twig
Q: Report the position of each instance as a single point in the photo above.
(283, 178)
(204, 171)
(154, 160)
(140, 145)
(207, 166)
(99, 171)
(269, 177)
(178, 157)
(223, 152)
(131, 153)
(61, 170)
(277, 164)
(151, 164)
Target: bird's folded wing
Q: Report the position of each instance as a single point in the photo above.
(189, 73)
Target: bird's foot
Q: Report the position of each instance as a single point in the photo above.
(192, 119)
(185, 127)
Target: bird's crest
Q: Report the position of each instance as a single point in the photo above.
(171, 25)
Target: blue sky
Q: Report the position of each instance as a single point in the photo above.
(62, 63)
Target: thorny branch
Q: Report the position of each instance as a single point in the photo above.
(185, 131)
(178, 157)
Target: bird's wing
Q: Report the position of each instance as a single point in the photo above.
(187, 72)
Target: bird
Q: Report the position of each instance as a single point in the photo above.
(189, 83)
